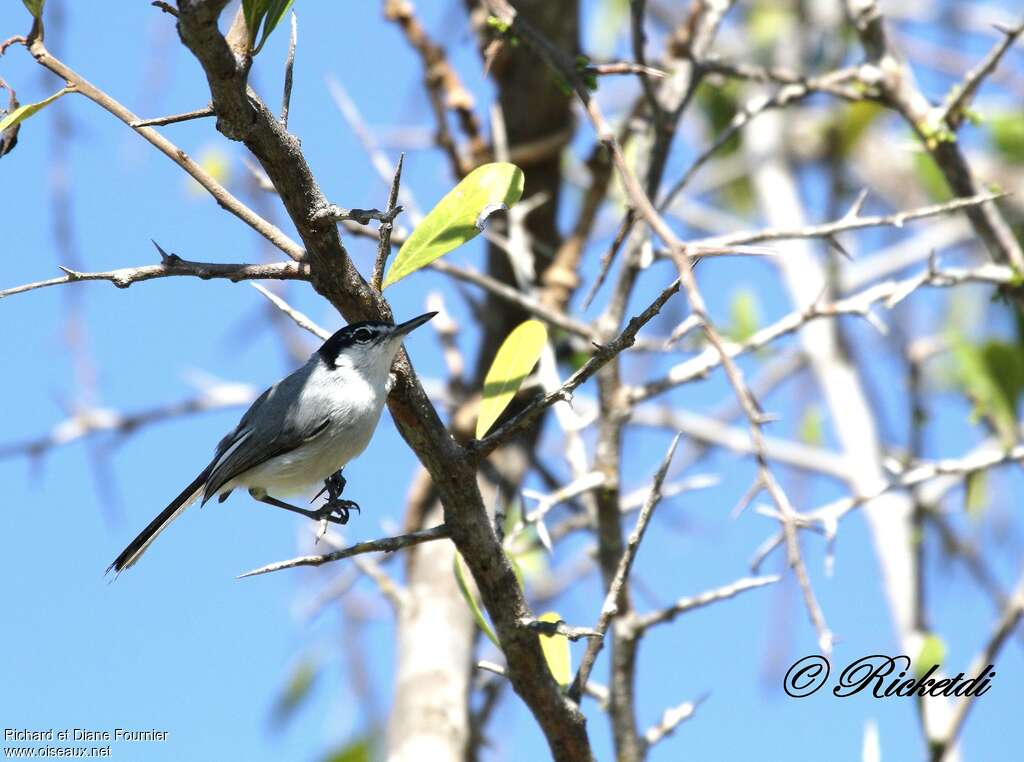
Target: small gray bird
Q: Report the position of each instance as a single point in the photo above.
(299, 432)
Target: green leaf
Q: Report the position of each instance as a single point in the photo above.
(265, 13)
(931, 177)
(933, 651)
(516, 357)
(22, 113)
(462, 576)
(1007, 134)
(744, 316)
(812, 426)
(357, 750)
(992, 376)
(458, 217)
(976, 493)
(853, 121)
(556, 652)
(274, 15)
(35, 7)
(296, 691)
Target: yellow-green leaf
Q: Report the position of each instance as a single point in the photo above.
(516, 357)
(933, 651)
(296, 691)
(812, 426)
(976, 493)
(1007, 135)
(22, 113)
(462, 577)
(35, 7)
(458, 217)
(556, 652)
(744, 315)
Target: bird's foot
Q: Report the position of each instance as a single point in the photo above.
(336, 511)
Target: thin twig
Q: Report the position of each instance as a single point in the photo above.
(955, 108)
(159, 121)
(644, 621)
(387, 226)
(1007, 623)
(269, 231)
(482, 447)
(850, 222)
(126, 276)
(385, 545)
(610, 606)
(515, 296)
(300, 318)
(289, 66)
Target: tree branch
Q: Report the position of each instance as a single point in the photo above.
(385, 545)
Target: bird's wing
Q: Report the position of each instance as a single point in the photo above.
(238, 458)
(276, 435)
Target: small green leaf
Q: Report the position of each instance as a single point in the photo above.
(976, 493)
(461, 576)
(274, 15)
(744, 315)
(295, 692)
(265, 13)
(253, 11)
(22, 113)
(556, 652)
(852, 123)
(931, 177)
(516, 357)
(933, 651)
(458, 217)
(992, 376)
(812, 426)
(1007, 134)
(357, 750)
(35, 7)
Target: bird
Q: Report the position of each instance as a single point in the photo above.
(299, 432)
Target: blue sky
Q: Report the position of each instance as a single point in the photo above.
(178, 644)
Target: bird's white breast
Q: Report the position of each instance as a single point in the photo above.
(353, 407)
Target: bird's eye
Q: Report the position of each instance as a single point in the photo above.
(363, 335)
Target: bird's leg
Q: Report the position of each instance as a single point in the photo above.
(317, 515)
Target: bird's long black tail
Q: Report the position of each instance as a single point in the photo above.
(138, 546)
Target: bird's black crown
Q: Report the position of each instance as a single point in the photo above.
(366, 332)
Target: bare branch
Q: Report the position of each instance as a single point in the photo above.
(159, 121)
(385, 545)
(955, 108)
(850, 222)
(609, 609)
(670, 720)
(174, 266)
(300, 318)
(1007, 623)
(481, 447)
(271, 232)
(289, 66)
(386, 226)
(644, 621)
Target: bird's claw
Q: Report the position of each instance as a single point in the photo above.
(337, 511)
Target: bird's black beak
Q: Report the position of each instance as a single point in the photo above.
(411, 325)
